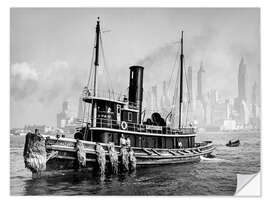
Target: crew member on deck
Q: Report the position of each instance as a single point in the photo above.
(128, 142)
(180, 144)
(109, 110)
(122, 141)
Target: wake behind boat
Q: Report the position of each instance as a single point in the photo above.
(113, 136)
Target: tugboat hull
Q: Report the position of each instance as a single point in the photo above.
(65, 154)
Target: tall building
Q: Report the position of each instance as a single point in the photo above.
(190, 94)
(154, 98)
(65, 107)
(189, 83)
(254, 106)
(200, 84)
(228, 109)
(212, 102)
(80, 109)
(200, 94)
(240, 104)
(164, 98)
(254, 99)
(64, 117)
(242, 79)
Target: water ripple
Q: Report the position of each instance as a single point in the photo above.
(209, 177)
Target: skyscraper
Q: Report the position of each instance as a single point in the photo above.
(240, 104)
(254, 93)
(64, 115)
(164, 98)
(154, 104)
(80, 109)
(242, 77)
(200, 82)
(254, 99)
(189, 83)
(201, 102)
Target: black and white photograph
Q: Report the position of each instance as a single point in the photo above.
(134, 101)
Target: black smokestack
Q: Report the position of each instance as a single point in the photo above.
(135, 96)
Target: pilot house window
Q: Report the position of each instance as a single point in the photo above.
(129, 116)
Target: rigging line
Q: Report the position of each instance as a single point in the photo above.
(176, 84)
(185, 71)
(175, 96)
(88, 81)
(188, 92)
(176, 87)
(105, 65)
(91, 66)
(174, 65)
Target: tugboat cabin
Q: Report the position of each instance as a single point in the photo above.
(113, 116)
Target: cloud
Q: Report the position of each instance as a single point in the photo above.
(24, 70)
(56, 80)
(24, 80)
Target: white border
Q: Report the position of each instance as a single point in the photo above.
(4, 55)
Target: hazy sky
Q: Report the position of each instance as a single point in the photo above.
(51, 51)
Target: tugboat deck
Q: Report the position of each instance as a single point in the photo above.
(68, 145)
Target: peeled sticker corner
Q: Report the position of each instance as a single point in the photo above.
(248, 185)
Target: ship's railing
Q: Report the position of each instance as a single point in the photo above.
(110, 95)
(128, 126)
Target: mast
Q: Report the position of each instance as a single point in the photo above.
(96, 56)
(94, 104)
(181, 82)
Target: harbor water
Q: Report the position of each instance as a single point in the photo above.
(215, 176)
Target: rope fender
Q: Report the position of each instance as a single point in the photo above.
(81, 155)
(101, 159)
(132, 160)
(124, 161)
(34, 153)
(113, 158)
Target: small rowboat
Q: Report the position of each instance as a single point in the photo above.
(235, 143)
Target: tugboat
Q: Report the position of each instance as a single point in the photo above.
(115, 137)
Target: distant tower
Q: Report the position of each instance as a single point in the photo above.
(228, 111)
(200, 94)
(242, 77)
(63, 116)
(65, 107)
(164, 99)
(167, 101)
(200, 83)
(189, 78)
(80, 109)
(154, 98)
(254, 100)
